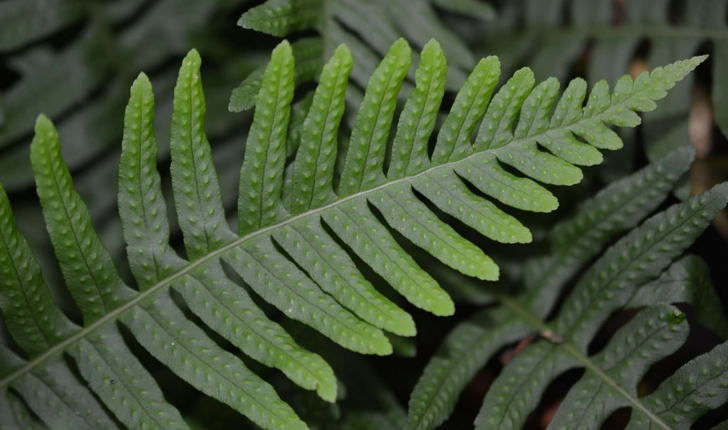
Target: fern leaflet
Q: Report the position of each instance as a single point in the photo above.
(367, 28)
(623, 277)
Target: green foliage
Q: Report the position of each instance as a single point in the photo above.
(554, 34)
(636, 272)
(297, 253)
(367, 28)
(75, 60)
(95, 67)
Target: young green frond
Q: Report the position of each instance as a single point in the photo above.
(300, 242)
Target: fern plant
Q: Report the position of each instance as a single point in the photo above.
(552, 35)
(294, 238)
(637, 272)
(74, 60)
(367, 28)
(94, 68)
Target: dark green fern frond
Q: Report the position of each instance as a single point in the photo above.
(623, 278)
(694, 389)
(367, 28)
(288, 247)
(75, 60)
(605, 288)
(687, 281)
(94, 68)
(470, 345)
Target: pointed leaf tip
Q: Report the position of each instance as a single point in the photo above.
(42, 121)
(192, 58)
(142, 77)
(691, 63)
(431, 42)
(687, 151)
(700, 58)
(142, 81)
(342, 50)
(401, 44)
(432, 48)
(243, 21)
(44, 129)
(281, 53)
(722, 190)
(284, 46)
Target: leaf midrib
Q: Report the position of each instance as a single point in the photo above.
(330, 103)
(64, 399)
(583, 239)
(524, 314)
(130, 389)
(26, 299)
(115, 313)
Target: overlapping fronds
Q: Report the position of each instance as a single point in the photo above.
(296, 239)
(367, 28)
(74, 60)
(638, 271)
(553, 35)
(94, 68)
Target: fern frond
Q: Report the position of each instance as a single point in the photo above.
(551, 44)
(367, 28)
(574, 242)
(653, 334)
(606, 287)
(686, 281)
(55, 81)
(290, 254)
(639, 257)
(694, 389)
(614, 210)
(24, 21)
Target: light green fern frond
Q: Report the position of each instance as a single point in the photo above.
(294, 249)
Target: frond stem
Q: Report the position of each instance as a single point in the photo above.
(527, 316)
